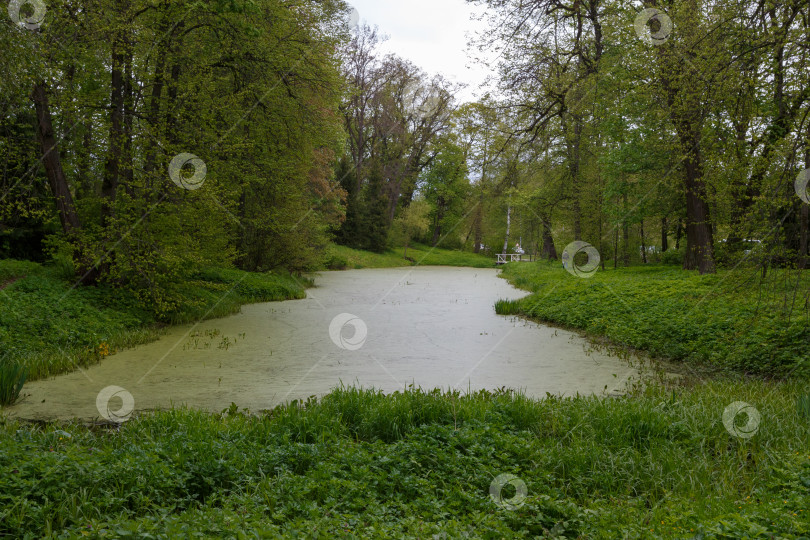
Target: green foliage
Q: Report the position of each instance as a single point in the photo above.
(415, 464)
(336, 262)
(722, 320)
(49, 326)
(445, 186)
(508, 307)
(673, 257)
(411, 223)
(422, 255)
(374, 228)
(12, 379)
(224, 81)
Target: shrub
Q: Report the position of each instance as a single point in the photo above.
(673, 257)
(12, 379)
(336, 262)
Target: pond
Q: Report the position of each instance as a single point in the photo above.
(382, 328)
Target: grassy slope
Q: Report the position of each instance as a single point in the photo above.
(52, 327)
(361, 465)
(725, 320)
(421, 254)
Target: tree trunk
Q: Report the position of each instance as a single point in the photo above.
(56, 178)
(804, 217)
(112, 171)
(437, 230)
(548, 250)
(574, 144)
(643, 243)
(625, 234)
(699, 240)
(508, 227)
(479, 216)
(678, 234)
(52, 162)
(127, 172)
(615, 248)
(153, 116)
(664, 235)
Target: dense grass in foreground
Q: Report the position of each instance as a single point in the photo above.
(358, 464)
(730, 320)
(49, 326)
(342, 257)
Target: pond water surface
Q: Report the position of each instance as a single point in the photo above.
(427, 326)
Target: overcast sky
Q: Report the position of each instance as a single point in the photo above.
(429, 33)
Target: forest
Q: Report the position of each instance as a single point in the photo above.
(170, 162)
(142, 139)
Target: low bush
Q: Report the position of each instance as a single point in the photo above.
(12, 379)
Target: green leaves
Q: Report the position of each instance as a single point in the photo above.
(418, 464)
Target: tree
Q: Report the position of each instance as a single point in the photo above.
(445, 186)
(413, 222)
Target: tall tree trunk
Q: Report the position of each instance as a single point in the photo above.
(56, 178)
(129, 114)
(52, 162)
(625, 234)
(699, 238)
(479, 215)
(508, 227)
(548, 250)
(615, 248)
(153, 114)
(170, 118)
(437, 230)
(574, 143)
(804, 217)
(664, 235)
(643, 243)
(686, 113)
(112, 166)
(85, 184)
(678, 234)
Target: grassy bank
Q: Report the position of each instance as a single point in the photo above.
(342, 257)
(50, 326)
(730, 320)
(358, 464)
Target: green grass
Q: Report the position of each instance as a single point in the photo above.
(49, 326)
(357, 464)
(730, 320)
(421, 254)
(656, 463)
